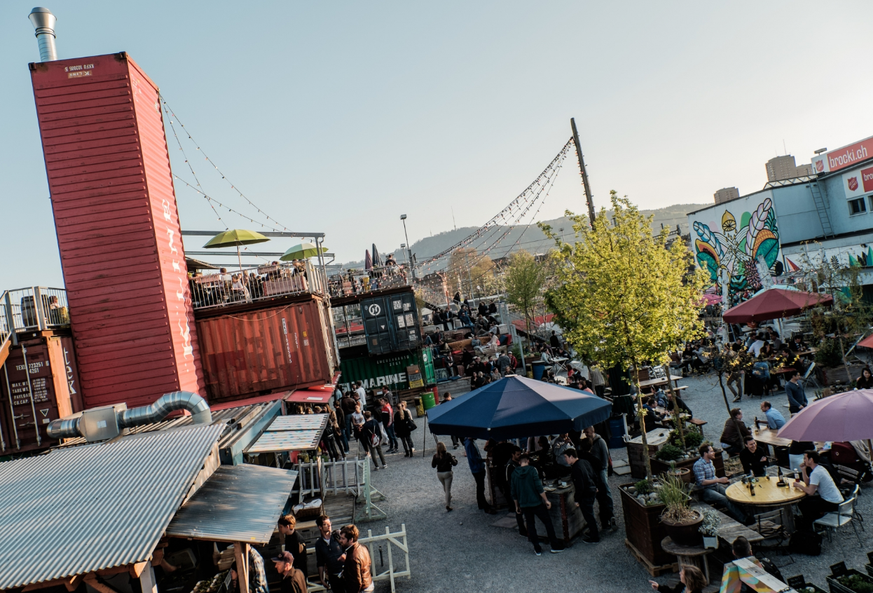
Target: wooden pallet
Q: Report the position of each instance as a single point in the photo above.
(654, 570)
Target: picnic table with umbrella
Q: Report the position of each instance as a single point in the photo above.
(518, 407)
(235, 238)
(775, 303)
(303, 251)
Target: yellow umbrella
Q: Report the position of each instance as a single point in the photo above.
(235, 238)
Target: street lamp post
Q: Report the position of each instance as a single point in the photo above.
(408, 247)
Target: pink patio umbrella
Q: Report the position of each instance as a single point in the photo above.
(843, 417)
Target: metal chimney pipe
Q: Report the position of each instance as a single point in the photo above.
(44, 22)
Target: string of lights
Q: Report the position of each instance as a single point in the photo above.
(543, 193)
(533, 190)
(172, 116)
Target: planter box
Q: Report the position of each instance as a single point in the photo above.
(840, 570)
(837, 374)
(637, 453)
(797, 583)
(644, 528)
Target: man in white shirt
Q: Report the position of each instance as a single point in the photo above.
(755, 347)
(362, 395)
(822, 494)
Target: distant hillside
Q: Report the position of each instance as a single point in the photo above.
(528, 238)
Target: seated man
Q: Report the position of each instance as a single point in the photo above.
(711, 487)
(823, 496)
(775, 419)
(754, 462)
(735, 432)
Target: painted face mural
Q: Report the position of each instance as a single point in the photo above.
(738, 246)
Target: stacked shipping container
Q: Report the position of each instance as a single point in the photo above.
(118, 229)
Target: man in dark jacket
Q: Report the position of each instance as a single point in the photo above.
(586, 492)
(293, 579)
(734, 433)
(530, 499)
(477, 468)
(328, 552)
(356, 563)
(796, 396)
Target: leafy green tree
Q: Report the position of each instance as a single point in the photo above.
(524, 280)
(622, 295)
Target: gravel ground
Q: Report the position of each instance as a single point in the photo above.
(463, 551)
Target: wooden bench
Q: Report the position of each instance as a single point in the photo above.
(698, 423)
(729, 529)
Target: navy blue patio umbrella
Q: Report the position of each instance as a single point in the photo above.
(518, 407)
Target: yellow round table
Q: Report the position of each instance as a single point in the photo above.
(767, 493)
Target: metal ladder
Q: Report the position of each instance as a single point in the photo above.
(819, 197)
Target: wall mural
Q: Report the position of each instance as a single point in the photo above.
(734, 243)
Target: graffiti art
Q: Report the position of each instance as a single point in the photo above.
(738, 246)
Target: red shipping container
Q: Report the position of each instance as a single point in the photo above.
(118, 229)
(265, 350)
(27, 407)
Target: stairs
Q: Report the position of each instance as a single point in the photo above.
(819, 197)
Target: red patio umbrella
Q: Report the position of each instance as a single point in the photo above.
(866, 342)
(773, 304)
(842, 417)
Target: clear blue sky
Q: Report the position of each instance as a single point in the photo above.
(340, 116)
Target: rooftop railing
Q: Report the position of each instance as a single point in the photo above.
(355, 283)
(268, 282)
(32, 309)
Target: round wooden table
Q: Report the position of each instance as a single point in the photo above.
(688, 555)
(768, 496)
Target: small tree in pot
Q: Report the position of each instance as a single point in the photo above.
(682, 522)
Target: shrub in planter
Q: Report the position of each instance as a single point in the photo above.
(681, 521)
(844, 580)
(669, 453)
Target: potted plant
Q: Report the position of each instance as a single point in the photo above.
(680, 520)
(799, 584)
(709, 529)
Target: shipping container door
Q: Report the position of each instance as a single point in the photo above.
(377, 325)
(427, 366)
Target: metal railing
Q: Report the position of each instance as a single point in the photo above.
(276, 280)
(389, 555)
(352, 283)
(32, 309)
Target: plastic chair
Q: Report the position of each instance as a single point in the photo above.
(845, 514)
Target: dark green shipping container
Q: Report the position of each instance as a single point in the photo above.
(390, 370)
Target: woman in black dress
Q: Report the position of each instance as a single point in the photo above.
(402, 418)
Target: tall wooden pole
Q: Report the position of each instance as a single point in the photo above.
(588, 197)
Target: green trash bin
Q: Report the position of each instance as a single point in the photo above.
(428, 400)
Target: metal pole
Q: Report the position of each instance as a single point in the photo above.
(589, 199)
(408, 247)
(30, 392)
(11, 408)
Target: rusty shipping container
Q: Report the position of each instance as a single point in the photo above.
(265, 350)
(118, 229)
(39, 384)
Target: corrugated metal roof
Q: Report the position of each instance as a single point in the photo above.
(239, 503)
(82, 509)
(232, 419)
(291, 433)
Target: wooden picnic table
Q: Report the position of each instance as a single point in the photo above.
(658, 381)
(768, 437)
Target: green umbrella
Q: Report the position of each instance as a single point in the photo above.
(235, 238)
(302, 251)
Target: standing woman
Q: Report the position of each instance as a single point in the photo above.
(402, 420)
(443, 461)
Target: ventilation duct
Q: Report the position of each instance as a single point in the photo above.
(100, 424)
(44, 22)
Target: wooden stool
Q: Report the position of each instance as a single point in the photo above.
(688, 555)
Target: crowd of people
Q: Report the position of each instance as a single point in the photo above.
(225, 287)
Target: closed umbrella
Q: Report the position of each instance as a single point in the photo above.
(377, 259)
(235, 238)
(368, 261)
(775, 303)
(302, 251)
(517, 407)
